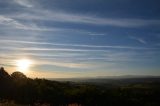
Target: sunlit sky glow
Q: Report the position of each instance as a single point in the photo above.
(23, 65)
(81, 38)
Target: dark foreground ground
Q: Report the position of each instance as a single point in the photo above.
(18, 89)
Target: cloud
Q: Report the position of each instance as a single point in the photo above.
(24, 3)
(42, 14)
(29, 29)
(33, 19)
(140, 40)
(72, 57)
(60, 16)
(10, 61)
(64, 64)
(78, 45)
(96, 34)
(13, 23)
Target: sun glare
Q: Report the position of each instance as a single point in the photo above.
(23, 65)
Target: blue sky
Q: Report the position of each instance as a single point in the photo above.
(81, 38)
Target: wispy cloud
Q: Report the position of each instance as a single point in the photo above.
(33, 16)
(95, 34)
(78, 45)
(64, 64)
(60, 16)
(11, 61)
(24, 3)
(59, 37)
(13, 23)
(140, 40)
(39, 13)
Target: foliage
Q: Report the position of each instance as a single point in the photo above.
(23, 90)
(18, 75)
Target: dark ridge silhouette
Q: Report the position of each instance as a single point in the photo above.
(35, 92)
(3, 74)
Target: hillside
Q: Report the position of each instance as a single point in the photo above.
(20, 89)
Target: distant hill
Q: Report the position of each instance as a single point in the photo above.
(107, 78)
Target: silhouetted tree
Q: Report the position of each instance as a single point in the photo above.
(18, 75)
(5, 83)
(24, 90)
(3, 74)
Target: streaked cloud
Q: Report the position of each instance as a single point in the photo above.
(24, 3)
(78, 45)
(39, 13)
(140, 40)
(95, 34)
(12, 23)
(65, 38)
(60, 16)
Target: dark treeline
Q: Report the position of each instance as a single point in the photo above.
(23, 90)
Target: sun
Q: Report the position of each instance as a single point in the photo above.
(23, 65)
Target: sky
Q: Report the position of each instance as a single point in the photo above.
(81, 38)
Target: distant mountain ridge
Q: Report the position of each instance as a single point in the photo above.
(101, 78)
